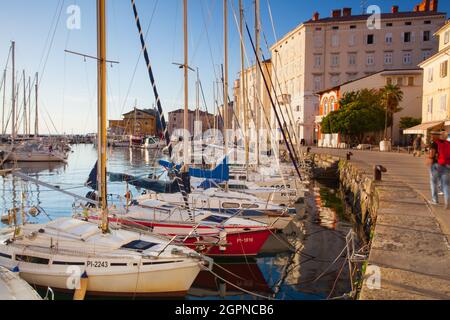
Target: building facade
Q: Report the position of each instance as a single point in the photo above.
(410, 82)
(436, 85)
(176, 121)
(325, 52)
(140, 122)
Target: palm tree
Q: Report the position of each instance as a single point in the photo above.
(391, 97)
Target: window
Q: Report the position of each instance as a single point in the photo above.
(389, 24)
(352, 76)
(388, 57)
(332, 105)
(352, 59)
(426, 54)
(370, 59)
(215, 219)
(444, 69)
(446, 37)
(430, 105)
(335, 28)
(407, 58)
(335, 40)
(407, 37)
(334, 60)
(370, 39)
(30, 259)
(352, 40)
(408, 23)
(317, 60)
(426, 36)
(411, 81)
(230, 205)
(297, 108)
(388, 38)
(400, 81)
(389, 81)
(334, 80)
(317, 83)
(139, 245)
(318, 41)
(430, 74)
(325, 107)
(444, 103)
(427, 22)
(353, 27)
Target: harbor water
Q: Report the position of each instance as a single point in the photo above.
(303, 263)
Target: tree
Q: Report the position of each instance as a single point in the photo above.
(360, 112)
(391, 97)
(409, 122)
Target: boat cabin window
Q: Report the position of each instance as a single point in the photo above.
(7, 256)
(68, 263)
(30, 259)
(215, 219)
(139, 245)
(238, 187)
(230, 205)
(243, 178)
(249, 206)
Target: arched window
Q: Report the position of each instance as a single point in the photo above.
(325, 107)
(332, 105)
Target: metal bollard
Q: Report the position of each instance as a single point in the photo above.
(308, 150)
(378, 172)
(349, 156)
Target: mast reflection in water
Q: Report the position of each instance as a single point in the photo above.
(287, 270)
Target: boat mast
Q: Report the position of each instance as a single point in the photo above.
(29, 107)
(101, 83)
(36, 115)
(186, 83)
(243, 86)
(24, 104)
(13, 125)
(258, 80)
(4, 102)
(225, 80)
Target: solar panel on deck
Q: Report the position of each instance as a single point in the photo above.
(139, 245)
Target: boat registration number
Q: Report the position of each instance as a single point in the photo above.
(97, 264)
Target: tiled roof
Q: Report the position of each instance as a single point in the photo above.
(384, 16)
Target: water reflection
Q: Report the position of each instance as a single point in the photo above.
(291, 262)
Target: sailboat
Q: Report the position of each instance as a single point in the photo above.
(12, 287)
(68, 253)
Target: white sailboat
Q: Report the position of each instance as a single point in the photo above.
(12, 287)
(70, 254)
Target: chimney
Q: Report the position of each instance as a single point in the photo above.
(347, 12)
(316, 16)
(434, 5)
(416, 8)
(395, 9)
(424, 6)
(336, 13)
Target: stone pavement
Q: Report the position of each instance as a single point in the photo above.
(411, 240)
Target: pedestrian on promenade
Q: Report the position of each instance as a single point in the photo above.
(439, 162)
(417, 145)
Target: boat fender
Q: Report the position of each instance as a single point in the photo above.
(16, 269)
(80, 293)
(222, 240)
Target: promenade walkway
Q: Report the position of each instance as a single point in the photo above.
(411, 241)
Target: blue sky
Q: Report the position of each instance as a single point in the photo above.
(68, 88)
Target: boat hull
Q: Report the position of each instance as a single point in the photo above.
(240, 242)
(147, 282)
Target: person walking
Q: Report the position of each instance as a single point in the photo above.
(439, 162)
(417, 146)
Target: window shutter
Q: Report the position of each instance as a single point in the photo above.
(413, 37)
(403, 37)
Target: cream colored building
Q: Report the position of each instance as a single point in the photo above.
(436, 86)
(410, 82)
(325, 52)
(258, 101)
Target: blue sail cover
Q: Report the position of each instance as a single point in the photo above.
(92, 180)
(220, 173)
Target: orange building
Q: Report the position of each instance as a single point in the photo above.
(329, 101)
